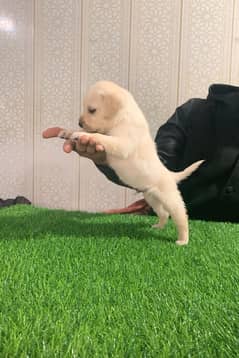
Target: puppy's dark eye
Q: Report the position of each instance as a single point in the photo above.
(91, 110)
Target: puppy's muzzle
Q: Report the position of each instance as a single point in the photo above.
(81, 123)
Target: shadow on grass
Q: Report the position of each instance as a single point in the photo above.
(34, 223)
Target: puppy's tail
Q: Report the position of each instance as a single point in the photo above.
(179, 176)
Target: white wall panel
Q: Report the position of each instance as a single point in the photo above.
(235, 46)
(105, 54)
(154, 60)
(205, 46)
(57, 99)
(16, 103)
(155, 39)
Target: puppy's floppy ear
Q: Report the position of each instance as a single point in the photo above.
(112, 103)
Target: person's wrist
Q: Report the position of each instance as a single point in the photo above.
(100, 161)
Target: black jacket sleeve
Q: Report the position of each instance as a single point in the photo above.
(171, 139)
(110, 174)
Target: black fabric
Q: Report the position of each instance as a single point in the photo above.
(204, 129)
(18, 200)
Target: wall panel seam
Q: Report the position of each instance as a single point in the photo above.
(28, 102)
(179, 49)
(77, 96)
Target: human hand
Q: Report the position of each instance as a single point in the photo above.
(139, 207)
(85, 146)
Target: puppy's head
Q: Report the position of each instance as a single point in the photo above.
(101, 107)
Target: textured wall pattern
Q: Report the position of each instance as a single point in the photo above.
(164, 51)
(105, 53)
(206, 45)
(154, 57)
(15, 97)
(55, 95)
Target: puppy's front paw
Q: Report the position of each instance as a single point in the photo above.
(77, 135)
(65, 134)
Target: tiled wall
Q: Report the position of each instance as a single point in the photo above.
(164, 51)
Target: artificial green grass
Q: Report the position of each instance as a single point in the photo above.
(83, 285)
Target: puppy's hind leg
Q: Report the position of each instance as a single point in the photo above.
(162, 214)
(173, 203)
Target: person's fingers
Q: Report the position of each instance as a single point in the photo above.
(81, 148)
(92, 142)
(51, 132)
(68, 146)
(84, 145)
(90, 149)
(99, 148)
(84, 140)
(93, 147)
(88, 145)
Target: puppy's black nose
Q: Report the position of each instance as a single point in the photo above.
(81, 121)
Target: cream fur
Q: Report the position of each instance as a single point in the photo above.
(120, 126)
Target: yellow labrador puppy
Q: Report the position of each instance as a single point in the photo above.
(114, 120)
